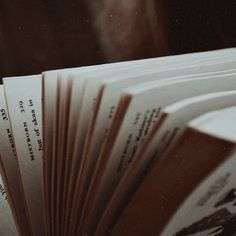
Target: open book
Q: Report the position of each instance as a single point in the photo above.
(144, 147)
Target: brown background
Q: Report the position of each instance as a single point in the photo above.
(37, 35)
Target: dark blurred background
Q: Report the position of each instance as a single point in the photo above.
(37, 35)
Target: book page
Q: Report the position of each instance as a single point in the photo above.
(170, 126)
(110, 97)
(163, 94)
(136, 124)
(49, 98)
(76, 95)
(7, 224)
(50, 92)
(57, 161)
(112, 91)
(23, 96)
(65, 89)
(109, 104)
(90, 94)
(52, 86)
(11, 173)
(187, 163)
(50, 112)
(50, 95)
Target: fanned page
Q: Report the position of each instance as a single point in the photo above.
(49, 89)
(83, 118)
(23, 96)
(52, 94)
(52, 89)
(7, 224)
(91, 76)
(11, 173)
(51, 100)
(170, 126)
(96, 150)
(130, 130)
(109, 90)
(195, 166)
(107, 106)
(100, 67)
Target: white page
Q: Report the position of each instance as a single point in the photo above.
(56, 162)
(111, 93)
(173, 119)
(50, 113)
(149, 100)
(147, 97)
(194, 157)
(11, 168)
(207, 120)
(134, 68)
(75, 100)
(149, 63)
(65, 91)
(51, 96)
(74, 116)
(112, 90)
(7, 224)
(23, 96)
(92, 81)
(117, 82)
(50, 92)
